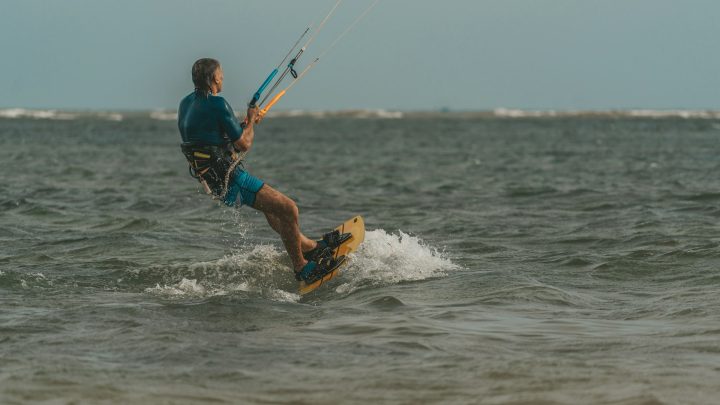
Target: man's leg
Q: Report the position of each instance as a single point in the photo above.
(282, 215)
(306, 244)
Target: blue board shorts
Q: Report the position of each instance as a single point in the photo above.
(243, 189)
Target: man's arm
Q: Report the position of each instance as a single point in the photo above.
(245, 141)
(241, 135)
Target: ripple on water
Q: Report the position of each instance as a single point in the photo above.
(703, 197)
(386, 303)
(537, 293)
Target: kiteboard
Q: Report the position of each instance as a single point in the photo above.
(356, 227)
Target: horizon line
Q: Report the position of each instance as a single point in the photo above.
(171, 114)
(500, 109)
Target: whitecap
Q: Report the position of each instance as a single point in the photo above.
(357, 114)
(686, 114)
(513, 113)
(36, 114)
(111, 116)
(162, 115)
(387, 258)
(638, 113)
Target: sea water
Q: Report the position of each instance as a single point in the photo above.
(509, 258)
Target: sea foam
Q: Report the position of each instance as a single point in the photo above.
(387, 258)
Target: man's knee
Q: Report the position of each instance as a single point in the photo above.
(281, 204)
(290, 208)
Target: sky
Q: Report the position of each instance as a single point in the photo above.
(405, 55)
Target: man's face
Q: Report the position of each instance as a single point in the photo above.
(219, 79)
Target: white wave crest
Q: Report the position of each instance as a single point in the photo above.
(359, 114)
(646, 113)
(386, 258)
(58, 115)
(162, 115)
(36, 114)
(687, 114)
(110, 116)
(510, 113)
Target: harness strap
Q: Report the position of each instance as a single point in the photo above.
(212, 166)
(231, 170)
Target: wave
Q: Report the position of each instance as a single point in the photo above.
(537, 292)
(642, 113)
(24, 281)
(171, 115)
(359, 114)
(511, 113)
(36, 114)
(162, 115)
(110, 116)
(16, 113)
(687, 114)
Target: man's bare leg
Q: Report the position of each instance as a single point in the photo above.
(306, 244)
(282, 215)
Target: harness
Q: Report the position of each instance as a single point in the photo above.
(213, 166)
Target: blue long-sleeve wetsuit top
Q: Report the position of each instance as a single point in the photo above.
(207, 120)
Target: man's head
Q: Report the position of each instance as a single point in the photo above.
(207, 75)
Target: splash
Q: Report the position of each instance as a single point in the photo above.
(264, 270)
(184, 287)
(386, 258)
(260, 271)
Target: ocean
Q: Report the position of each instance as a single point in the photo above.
(510, 258)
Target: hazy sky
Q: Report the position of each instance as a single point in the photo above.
(407, 54)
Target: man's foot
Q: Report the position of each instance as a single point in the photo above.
(330, 241)
(314, 271)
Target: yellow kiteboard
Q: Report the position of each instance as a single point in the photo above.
(356, 227)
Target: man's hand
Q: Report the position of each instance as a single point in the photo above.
(253, 115)
(245, 141)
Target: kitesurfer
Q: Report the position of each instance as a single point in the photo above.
(212, 137)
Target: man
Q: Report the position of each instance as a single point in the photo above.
(211, 136)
